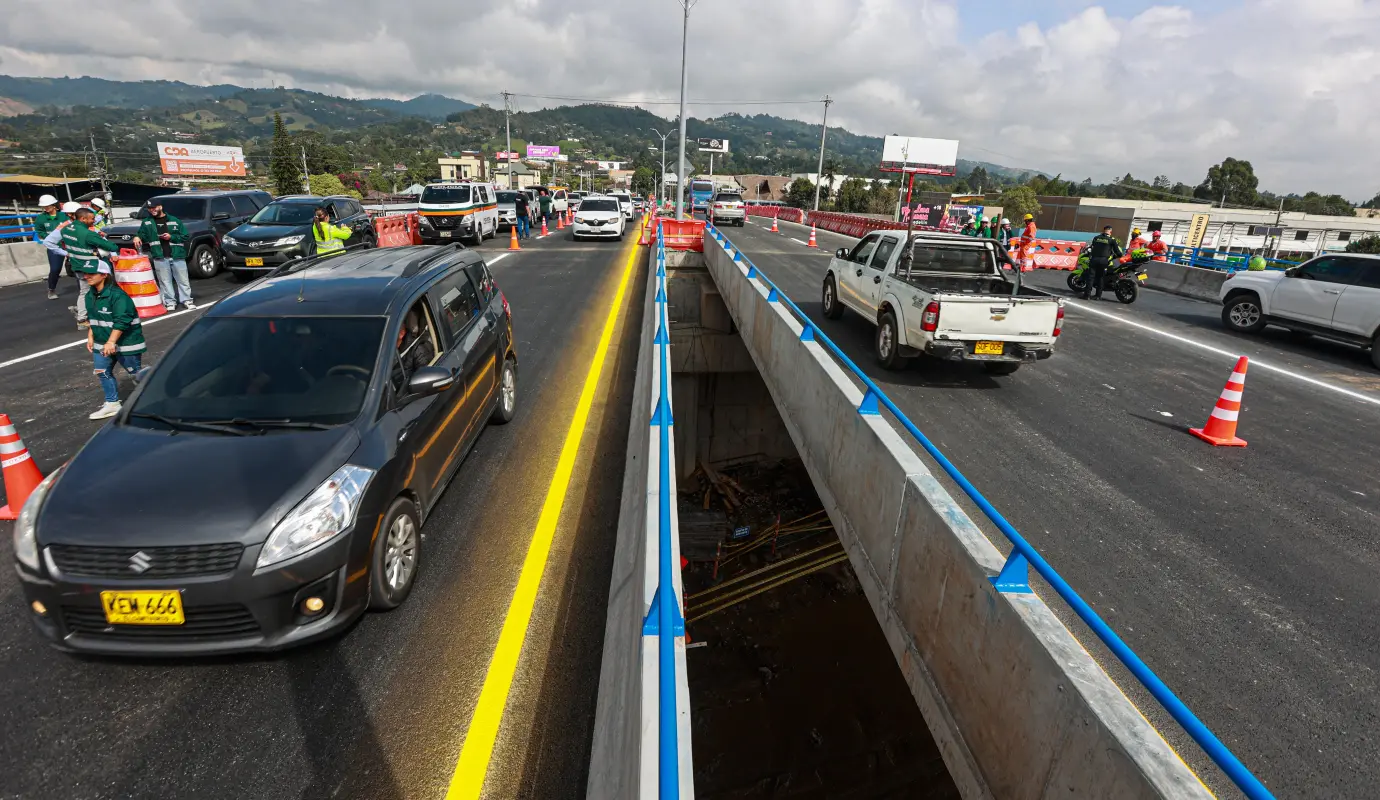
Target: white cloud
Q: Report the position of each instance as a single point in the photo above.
(1285, 84)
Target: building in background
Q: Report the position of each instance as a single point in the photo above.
(523, 175)
(469, 164)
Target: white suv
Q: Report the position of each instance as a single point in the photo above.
(1333, 296)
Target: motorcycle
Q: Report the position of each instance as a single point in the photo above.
(1124, 278)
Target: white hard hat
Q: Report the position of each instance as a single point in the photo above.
(71, 207)
(98, 202)
(47, 200)
(1005, 221)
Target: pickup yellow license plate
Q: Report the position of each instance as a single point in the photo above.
(143, 608)
(1143, 275)
(253, 262)
(989, 348)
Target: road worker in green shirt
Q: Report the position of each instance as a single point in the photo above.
(114, 337)
(84, 246)
(44, 224)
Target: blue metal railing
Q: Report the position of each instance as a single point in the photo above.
(1014, 575)
(665, 618)
(16, 231)
(1207, 258)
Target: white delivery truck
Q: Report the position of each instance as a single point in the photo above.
(956, 298)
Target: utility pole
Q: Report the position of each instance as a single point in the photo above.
(508, 135)
(661, 187)
(97, 167)
(823, 132)
(680, 163)
(306, 176)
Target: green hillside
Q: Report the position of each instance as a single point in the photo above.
(435, 107)
(87, 91)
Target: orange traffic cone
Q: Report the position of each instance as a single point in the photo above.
(1220, 430)
(774, 229)
(512, 240)
(560, 221)
(544, 231)
(812, 242)
(21, 473)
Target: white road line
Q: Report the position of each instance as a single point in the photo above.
(1254, 363)
(496, 258)
(81, 342)
(797, 241)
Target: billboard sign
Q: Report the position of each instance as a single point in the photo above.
(921, 156)
(712, 145)
(1196, 230)
(182, 158)
(543, 151)
(506, 155)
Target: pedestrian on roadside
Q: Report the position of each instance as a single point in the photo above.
(83, 246)
(545, 201)
(167, 238)
(1027, 243)
(330, 239)
(115, 336)
(102, 214)
(44, 224)
(1102, 251)
(523, 213)
(985, 229)
(1004, 233)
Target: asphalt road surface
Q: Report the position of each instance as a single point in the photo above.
(1244, 577)
(382, 712)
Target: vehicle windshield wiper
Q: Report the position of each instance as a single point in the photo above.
(266, 424)
(190, 425)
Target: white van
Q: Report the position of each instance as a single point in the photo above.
(464, 210)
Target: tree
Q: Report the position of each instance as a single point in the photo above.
(282, 165)
(1235, 180)
(1374, 202)
(643, 181)
(852, 196)
(1369, 245)
(800, 194)
(882, 199)
(326, 184)
(980, 180)
(1018, 201)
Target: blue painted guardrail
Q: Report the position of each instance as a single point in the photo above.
(1207, 258)
(1014, 575)
(665, 618)
(12, 229)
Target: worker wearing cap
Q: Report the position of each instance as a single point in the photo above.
(1027, 243)
(44, 224)
(166, 238)
(102, 214)
(115, 335)
(83, 246)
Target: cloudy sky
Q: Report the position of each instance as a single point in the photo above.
(1084, 88)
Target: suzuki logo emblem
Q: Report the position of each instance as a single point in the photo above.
(140, 562)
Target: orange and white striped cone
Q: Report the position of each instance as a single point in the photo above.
(21, 473)
(774, 229)
(812, 242)
(512, 238)
(560, 221)
(1220, 430)
(544, 231)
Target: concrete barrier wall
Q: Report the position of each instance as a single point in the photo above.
(22, 262)
(1018, 707)
(1203, 284)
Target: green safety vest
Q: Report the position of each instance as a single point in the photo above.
(82, 244)
(110, 309)
(175, 247)
(45, 223)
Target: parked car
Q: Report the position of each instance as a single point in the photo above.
(1332, 296)
(281, 231)
(943, 296)
(208, 215)
(288, 455)
(727, 208)
(599, 217)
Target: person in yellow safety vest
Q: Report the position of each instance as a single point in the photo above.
(1027, 243)
(330, 239)
(102, 214)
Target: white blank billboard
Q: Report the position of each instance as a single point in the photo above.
(917, 154)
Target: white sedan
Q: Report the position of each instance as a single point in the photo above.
(599, 217)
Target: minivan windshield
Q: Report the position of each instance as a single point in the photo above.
(265, 370)
(508, 197)
(446, 194)
(285, 214)
(184, 208)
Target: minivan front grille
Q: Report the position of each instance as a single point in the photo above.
(146, 562)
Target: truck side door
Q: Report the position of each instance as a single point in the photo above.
(874, 279)
(1311, 292)
(853, 276)
(1358, 308)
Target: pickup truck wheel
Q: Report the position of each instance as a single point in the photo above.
(832, 308)
(1000, 367)
(888, 346)
(1242, 313)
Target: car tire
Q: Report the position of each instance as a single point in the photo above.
(888, 343)
(398, 546)
(1000, 367)
(1243, 314)
(478, 238)
(833, 309)
(204, 262)
(506, 407)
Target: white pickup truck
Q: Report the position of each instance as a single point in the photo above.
(945, 296)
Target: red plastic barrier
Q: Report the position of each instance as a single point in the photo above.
(687, 234)
(393, 231)
(413, 229)
(783, 213)
(1050, 254)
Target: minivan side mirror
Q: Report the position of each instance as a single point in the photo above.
(842, 252)
(429, 380)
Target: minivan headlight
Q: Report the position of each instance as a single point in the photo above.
(289, 240)
(26, 525)
(325, 513)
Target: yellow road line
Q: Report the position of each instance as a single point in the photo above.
(470, 770)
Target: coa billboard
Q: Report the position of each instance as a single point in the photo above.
(201, 159)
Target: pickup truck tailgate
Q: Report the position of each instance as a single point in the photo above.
(1007, 319)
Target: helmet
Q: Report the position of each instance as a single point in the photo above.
(47, 200)
(1029, 217)
(1135, 231)
(98, 202)
(71, 207)
(1155, 234)
(1005, 221)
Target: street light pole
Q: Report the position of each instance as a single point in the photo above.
(680, 164)
(508, 135)
(661, 188)
(823, 132)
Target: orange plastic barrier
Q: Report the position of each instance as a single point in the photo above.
(413, 228)
(1050, 254)
(686, 234)
(393, 231)
(134, 274)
